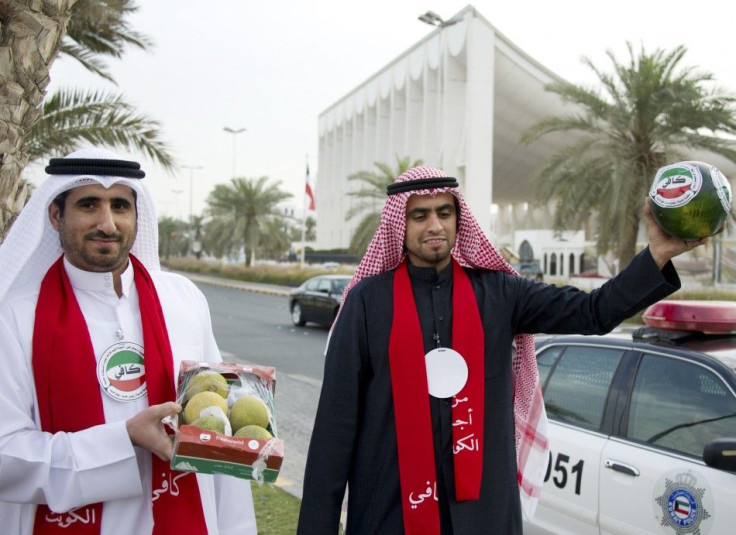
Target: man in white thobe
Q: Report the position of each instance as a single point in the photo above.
(106, 478)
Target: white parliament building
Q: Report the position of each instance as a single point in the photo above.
(460, 100)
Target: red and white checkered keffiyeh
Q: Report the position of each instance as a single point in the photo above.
(472, 249)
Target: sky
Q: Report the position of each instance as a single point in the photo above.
(271, 67)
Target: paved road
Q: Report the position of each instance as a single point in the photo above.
(255, 328)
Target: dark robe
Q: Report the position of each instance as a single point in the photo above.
(354, 437)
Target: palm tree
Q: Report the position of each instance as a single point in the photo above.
(306, 231)
(274, 240)
(172, 239)
(83, 30)
(310, 229)
(31, 52)
(97, 29)
(650, 111)
(371, 197)
(242, 213)
(196, 228)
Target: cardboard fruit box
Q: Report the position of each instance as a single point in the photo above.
(209, 451)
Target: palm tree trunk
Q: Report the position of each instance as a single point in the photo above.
(627, 248)
(30, 37)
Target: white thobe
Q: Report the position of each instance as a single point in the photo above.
(68, 471)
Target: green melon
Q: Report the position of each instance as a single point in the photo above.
(210, 423)
(206, 381)
(690, 200)
(253, 431)
(248, 410)
(201, 401)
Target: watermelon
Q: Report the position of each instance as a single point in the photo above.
(690, 200)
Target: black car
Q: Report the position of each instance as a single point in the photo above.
(530, 270)
(642, 425)
(318, 299)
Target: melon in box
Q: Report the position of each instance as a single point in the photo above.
(228, 424)
(690, 200)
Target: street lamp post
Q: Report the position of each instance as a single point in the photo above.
(234, 132)
(191, 168)
(177, 208)
(433, 19)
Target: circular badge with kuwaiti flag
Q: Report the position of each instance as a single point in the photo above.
(121, 372)
(690, 200)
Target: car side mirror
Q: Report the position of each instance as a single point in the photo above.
(721, 453)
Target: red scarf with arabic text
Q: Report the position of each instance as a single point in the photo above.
(64, 362)
(411, 402)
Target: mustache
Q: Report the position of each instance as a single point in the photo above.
(99, 235)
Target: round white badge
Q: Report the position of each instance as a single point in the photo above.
(121, 372)
(447, 372)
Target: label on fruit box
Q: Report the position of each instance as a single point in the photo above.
(209, 452)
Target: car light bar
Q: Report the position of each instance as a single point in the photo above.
(709, 317)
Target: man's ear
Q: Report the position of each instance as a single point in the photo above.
(54, 215)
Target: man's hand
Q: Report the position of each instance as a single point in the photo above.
(663, 246)
(146, 430)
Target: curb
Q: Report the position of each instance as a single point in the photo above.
(271, 289)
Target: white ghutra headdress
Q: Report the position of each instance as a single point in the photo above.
(32, 244)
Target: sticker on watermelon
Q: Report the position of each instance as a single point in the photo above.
(690, 200)
(121, 372)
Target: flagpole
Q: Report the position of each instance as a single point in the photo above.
(304, 216)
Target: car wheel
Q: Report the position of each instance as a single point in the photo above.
(296, 315)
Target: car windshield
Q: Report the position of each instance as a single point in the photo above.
(340, 285)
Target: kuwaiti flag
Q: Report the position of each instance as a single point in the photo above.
(310, 193)
(125, 371)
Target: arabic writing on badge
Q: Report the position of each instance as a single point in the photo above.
(127, 370)
(168, 485)
(72, 516)
(468, 442)
(430, 492)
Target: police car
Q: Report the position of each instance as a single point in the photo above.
(642, 426)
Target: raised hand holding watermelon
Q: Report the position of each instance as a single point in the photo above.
(688, 202)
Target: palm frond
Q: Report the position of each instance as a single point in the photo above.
(102, 27)
(71, 117)
(88, 59)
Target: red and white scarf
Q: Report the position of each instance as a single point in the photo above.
(411, 403)
(472, 249)
(64, 361)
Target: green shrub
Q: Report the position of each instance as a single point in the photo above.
(292, 275)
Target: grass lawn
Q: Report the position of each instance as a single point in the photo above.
(277, 511)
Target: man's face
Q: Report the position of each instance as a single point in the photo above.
(98, 227)
(431, 226)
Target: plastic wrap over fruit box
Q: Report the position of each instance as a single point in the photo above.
(228, 423)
